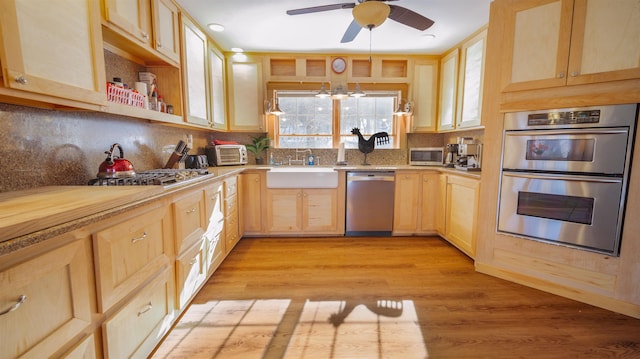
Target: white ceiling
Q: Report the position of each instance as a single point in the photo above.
(264, 26)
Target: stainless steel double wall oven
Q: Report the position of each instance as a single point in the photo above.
(565, 174)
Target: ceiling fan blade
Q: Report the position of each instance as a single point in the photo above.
(409, 18)
(308, 10)
(352, 31)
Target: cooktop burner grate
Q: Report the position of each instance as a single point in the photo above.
(161, 177)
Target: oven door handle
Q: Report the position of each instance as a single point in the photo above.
(612, 131)
(563, 177)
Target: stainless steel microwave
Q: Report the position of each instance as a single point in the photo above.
(426, 156)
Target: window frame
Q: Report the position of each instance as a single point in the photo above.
(400, 121)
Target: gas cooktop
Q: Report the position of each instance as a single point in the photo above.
(161, 177)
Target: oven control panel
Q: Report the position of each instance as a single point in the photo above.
(564, 118)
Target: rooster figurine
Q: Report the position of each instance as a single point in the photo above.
(367, 146)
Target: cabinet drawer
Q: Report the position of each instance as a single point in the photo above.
(135, 329)
(191, 272)
(56, 305)
(214, 203)
(230, 186)
(231, 205)
(215, 251)
(85, 350)
(129, 253)
(189, 217)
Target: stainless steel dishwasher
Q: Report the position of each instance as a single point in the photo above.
(369, 203)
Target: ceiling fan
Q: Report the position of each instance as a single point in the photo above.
(370, 14)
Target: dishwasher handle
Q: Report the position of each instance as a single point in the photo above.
(370, 177)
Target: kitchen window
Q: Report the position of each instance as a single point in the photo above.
(314, 122)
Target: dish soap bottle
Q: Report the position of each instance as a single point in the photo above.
(271, 161)
(310, 160)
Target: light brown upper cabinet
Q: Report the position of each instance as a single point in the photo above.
(194, 73)
(166, 28)
(448, 90)
(151, 24)
(425, 96)
(217, 90)
(470, 81)
(551, 43)
(64, 33)
(246, 94)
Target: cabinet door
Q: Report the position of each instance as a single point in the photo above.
(425, 94)
(604, 41)
(195, 72)
(448, 90)
(131, 16)
(166, 29)
(406, 203)
(283, 210)
(246, 96)
(471, 81)
(137, 327)
(461, 212)
(131, 249)
(536, 41)
(191, 272)
(252, 202)
(441, 205)
(430, 188)
(319, 210)
(217, 89)
(65, 33)
(190, 221)
(56, 306)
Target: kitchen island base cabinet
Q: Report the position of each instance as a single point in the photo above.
(460, 212)
(135, 329)
(231, 221)
(51, 296)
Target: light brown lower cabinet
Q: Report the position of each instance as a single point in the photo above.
(134, 330)
(45, 300)
(112, 289)
(460, 213)
(415, 202)
(302, 211)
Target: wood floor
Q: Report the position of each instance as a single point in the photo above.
(358, 297)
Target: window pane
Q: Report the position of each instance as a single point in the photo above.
(371, 115)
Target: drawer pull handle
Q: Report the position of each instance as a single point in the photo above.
(138, 239)
(145, 309)
(17, 305)
(194, 260)
(21, 80)
(191, 210)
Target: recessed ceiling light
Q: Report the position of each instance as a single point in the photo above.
(236, 49)
(429, 36)
(216, 27)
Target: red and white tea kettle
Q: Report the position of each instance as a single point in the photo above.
(115, 166)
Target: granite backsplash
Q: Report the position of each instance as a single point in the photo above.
(41, 147)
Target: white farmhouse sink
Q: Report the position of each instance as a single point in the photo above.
(302, 177)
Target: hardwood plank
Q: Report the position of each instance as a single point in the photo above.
(391, 297)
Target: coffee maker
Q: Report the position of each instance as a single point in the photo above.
(469, 156)
(452, 155)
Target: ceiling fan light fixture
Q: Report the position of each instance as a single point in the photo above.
(370, 14)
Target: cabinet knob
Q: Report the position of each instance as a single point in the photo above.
(158, 44)
(561, 75)
(145, 36)
(21, 80)
(574, 73)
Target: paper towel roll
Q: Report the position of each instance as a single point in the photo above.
(141, 87)
(341, 152)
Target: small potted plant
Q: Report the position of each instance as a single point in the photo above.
(258, 146)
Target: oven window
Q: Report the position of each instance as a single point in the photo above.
(561, 150)
(558, 207)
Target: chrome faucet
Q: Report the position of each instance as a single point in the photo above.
(299, 161)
